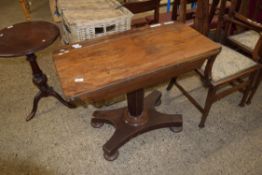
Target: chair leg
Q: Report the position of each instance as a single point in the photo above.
(247, 89)
(254, 89)
(209, 101)
(171, 84)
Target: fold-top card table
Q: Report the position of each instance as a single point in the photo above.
(128, 63)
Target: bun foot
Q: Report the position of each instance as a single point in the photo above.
(176, 129)
(30, 116)
(97, 124)
(111, 157)
(201, 125)
(242, 105)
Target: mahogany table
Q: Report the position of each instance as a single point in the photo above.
(128, 63)
(24, 39)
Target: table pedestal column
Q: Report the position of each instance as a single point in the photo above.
(138, 117)
(40, 80)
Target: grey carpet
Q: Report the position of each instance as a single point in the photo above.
(60, 141)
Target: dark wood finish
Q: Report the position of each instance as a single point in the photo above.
(257, 55)
(236, 82)
(221, 14)
(216, 91)
(182, 11)
(131, 62)
(200, 23)
(255, 10)
(135, 102)
(202, 17)
(24, 39)
(141, 7)
(254, 88)
(150, 58)
(236, 19)
(179, 10)
(128, 126)
(40, 80)
(249, 23)
(213, 10)
(188, 15)
(184, 14)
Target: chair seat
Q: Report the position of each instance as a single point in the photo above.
(248, 39)
(228, 63)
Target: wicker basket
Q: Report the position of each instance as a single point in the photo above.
(63, 5)
(79, 25)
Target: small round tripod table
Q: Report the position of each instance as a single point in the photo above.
(24, 39)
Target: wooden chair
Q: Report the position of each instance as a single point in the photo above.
(183, 14)
(255, 10)
(226, 73)
(215, 11)
(247, 38)
(141, 7)
(190, 13)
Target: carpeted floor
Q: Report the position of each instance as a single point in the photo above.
(60, 141)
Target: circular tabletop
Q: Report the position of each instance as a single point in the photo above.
(26, 38)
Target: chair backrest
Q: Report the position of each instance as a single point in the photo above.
(144, 6)
(237, 13)
(190, 14)
(236, 22)
(255, 10)
(202, 17)
(249, 8)
(183, 4)
(201, 14)
(213, 10)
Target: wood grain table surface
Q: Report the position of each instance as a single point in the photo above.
(122, 63)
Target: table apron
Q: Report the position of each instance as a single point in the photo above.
(147, 80)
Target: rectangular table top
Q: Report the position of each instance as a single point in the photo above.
(131, 60)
